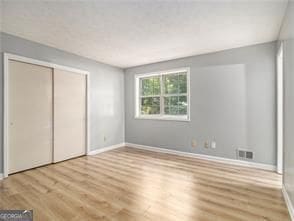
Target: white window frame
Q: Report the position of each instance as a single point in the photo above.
(161, 116)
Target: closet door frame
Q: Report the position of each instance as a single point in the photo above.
(7, 57)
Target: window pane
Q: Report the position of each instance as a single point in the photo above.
(183, 105)
(156, 86)
(175, 105)
(150, 86)
(171, 110)
(171, 85)
(183, 100)
(171, 100)
(171, 105)
(183, 83)
(150, 105)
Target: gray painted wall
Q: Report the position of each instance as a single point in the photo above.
(232, 101)
(106, 89)
(287, 36)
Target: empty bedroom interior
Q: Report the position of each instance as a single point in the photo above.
(147, 110)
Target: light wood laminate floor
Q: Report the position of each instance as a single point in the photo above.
(131, 184)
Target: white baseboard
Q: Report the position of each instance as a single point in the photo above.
(101, 150)
(1, 176)
(206, 157)
(288, 203)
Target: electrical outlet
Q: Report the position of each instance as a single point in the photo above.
(194, 143)
(104, 138)
(206, 144)
(213, 144)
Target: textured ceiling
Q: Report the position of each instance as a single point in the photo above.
(131, 33)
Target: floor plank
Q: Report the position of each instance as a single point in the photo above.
(132, 184)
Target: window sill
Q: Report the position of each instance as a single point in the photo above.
(164, 118)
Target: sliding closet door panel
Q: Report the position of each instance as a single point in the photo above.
(30, 116)
(69, 115)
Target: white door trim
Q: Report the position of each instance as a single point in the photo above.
(7, 57)
(280, 109)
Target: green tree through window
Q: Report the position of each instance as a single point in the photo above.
(175, 94)
(150, 95)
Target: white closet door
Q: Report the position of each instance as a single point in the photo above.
(30, 116)
(69, 115)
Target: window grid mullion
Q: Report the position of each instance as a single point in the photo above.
(146, 96)
(174, 95)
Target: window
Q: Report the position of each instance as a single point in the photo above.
(163, 95)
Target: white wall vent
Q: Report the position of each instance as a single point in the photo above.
(244, 154)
